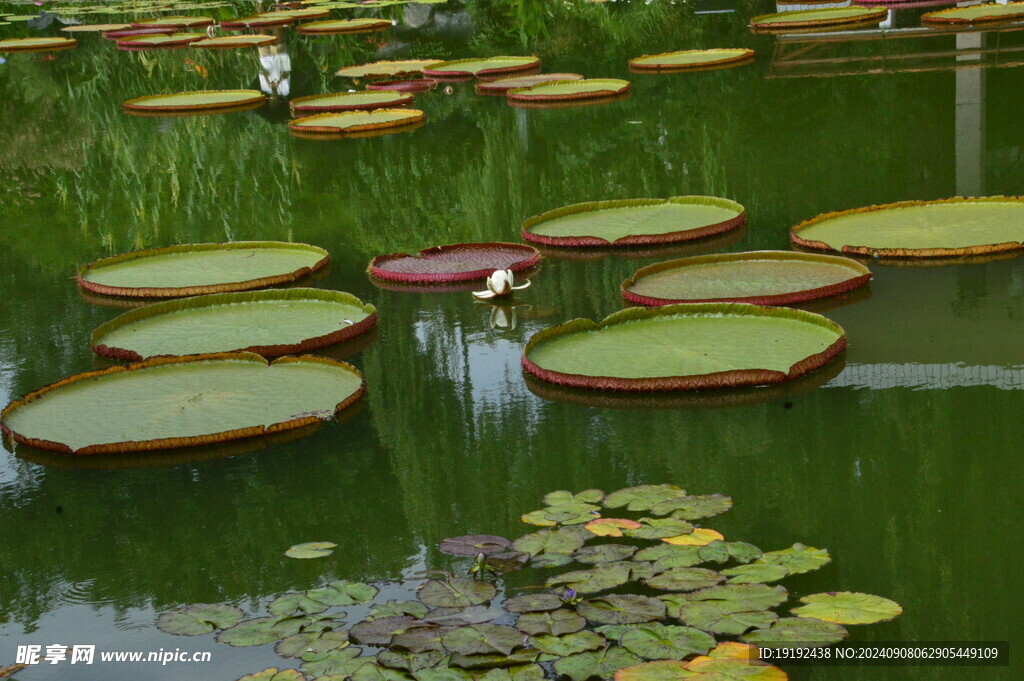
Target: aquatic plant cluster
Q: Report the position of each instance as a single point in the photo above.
(646, 593)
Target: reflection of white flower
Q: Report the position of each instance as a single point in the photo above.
(501, 283)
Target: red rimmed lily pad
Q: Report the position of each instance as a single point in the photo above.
(336, 26)
(226, 42)
(454, 262)
(157, 41)
(278, 18)
(350, 101)
(133, 31)
(501, 86)
(355, 122)
(759, 278)
(814, 18)
(386, 69)
(690, 59)
(407, 85)
(37, 44)
(569, 90)
(488, 66)
(174, 22)
(976, 14)
(634, 222)
(198, 100)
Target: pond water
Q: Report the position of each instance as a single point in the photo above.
(903, 459)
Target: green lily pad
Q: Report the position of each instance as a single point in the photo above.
(198, 100)
(474, 544)
(743, 552)
(642, 497)
(600, 578)
(661, 642)
(754, 574)
(523, 672)
(621, 609)
(371, 671)
(563, 540)
(977, 14)
(742, 597)
(421, 639)
(830, 16)
(690, 59)
(343, 592)
(600, 663)
(349, 101)
(550, 560)
(521, 656)
(409, 661)
(483, 639)
(555, 623)
(344, 122)
(670, 556)
(588, 496)
(846, 607)
(380, 632)
(507, 561)
(800, 631)
(480, 67)
(386, 69)
(692, 346)
(274, 674)
(734, 669)
(270, 323)
(444, 674)
(715, 552)
(694, 507)
(604, 553)
(797, 559)
(569, 644)
(640, 569)
(295, 604)
(567, 90)
(719, 617)
(201, 618)
(456, 592)
(572, 513)
(397, 609)
(685, 579)
(340, 661)
(310, 549)
(458, 616)
(533, 603)
(659, 528)
(611, 527)
(259, 631)
(659, 670)
(615, 632)
(306, 642)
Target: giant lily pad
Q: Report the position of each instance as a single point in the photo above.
(36, 44)
(797, 558)
(194, 269)
(799, 631)
(174, 22)
(454, 262)
(845, 607)
(601, 663)
(182, 401)
(490, 66)
(760, 278)
(634, 222)
(117, 33)
(93, 28)
(199, 100)
(555, 623)
(569, 90)
(386, 69)
(348, 122)
(832, 16)
(278, 18)
(707, 345)
(343, 592)
(919, 229)
(501, 86)
(350, 101)
(666, 642)
(456, 592)
(231, 41)
(201, 618)
(690, 59)
(976, 14)
(270, 323)
(333, 26)
(144, 42)
(621, 609)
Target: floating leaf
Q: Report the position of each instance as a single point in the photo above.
(742, 597)
(589, 496)
(661, 642)
(522, 656)
(847, 607)
(456, 592)
(797, 559)
(421, 639)
(371, 671)
(642, 497)
(453, 262)
(658, 528)
(474, 544)
(719, 617)
(340, 661)
(563, 540)
(274, 674)
(481, 67)
(201, 618)
(715, 552)
(303, 643)
(311, 549)
(572, 513)
(600, 578)
(343, 592)
(525, 672)
(830, 16)
(685, 579)
(533, 603)
(397, 609)
(538, 518)
(259, 631)
(604, 553)
(689, 59)
(600, 663)
(483, 639)
(611, 527)
(743, 552)
(409, 661)
(549, 560)
(294, 604)
(801, 631)
(640, 569)
(730, 669)
(669, 556)
(757, 573)
(507, 561)
(659, 670)
(443, 674)
(699, 537)
(621, 609)
(456, 617)
(200, 100)
(615, 632)
(555, 623)
(569, 90)
(380, 632)
(566, 645)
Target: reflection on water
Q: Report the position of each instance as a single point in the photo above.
(902, 464)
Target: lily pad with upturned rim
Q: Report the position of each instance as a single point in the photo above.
(488, 66)
(348, 122)
(634, 222)
(677, 347)
(158, 40)
(501, 86)
(846, 607)
(832, 16)
(94, 28)
(690, 59)
(919, 229)
(975, 14)
(335, 26)
(232, 41)
(278, 18)
(569, 90)
(454, 262)
(181, 401)
(36, 44)
(199, 100)
(386, 69)
(174, 22)
(195, 269)
(270, 323)
(404, 85)
(758, 278)
(350, 101)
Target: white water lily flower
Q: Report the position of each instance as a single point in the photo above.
(501, 283)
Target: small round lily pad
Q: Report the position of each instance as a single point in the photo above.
(846, 607)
